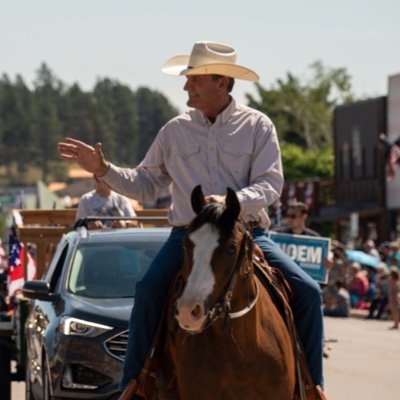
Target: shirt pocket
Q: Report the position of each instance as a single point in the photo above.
(185, 152)
(240, 151)
(237, 157)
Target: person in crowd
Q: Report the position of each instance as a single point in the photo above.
(394, 260)
(102, 201)
(385, 252)
(218, 143)
(337, 304)
(394, 291)
(339, 268)
(358, 284)
(296, 216)
(380, 299)
(369, 248)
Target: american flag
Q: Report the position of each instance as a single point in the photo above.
(17, 264)
(392, 161)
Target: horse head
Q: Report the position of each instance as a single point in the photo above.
(217, 249)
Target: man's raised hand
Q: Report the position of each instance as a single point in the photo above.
(88, 157)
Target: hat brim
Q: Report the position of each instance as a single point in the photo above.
(178, 65)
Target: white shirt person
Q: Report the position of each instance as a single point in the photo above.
(102, 201)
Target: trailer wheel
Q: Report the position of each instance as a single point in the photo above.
(28, 384)
(46, 382)
(5, 371)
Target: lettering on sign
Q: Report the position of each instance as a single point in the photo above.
(302, 253)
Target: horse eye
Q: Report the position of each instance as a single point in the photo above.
(231, 250)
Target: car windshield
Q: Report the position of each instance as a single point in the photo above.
(110, 270)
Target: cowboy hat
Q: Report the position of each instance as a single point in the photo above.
(209, 58)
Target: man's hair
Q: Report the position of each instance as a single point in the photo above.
(230, 84)
(299, 206)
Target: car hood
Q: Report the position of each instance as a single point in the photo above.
(114, 311)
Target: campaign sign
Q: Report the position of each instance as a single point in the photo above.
(307, 251)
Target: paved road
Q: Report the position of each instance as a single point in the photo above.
(363, 363)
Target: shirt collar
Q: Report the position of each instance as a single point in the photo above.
(221, 119)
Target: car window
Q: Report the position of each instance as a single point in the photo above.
(58, 254)
(55, 278)
(110, 270)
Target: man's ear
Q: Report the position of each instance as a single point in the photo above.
(222, 82)
(225, 82)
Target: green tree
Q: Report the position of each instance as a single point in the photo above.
(300, 163)
(47, 124)
(25, 131)
(153, 111)
(119, 119)
(15, 128)
(302, 111)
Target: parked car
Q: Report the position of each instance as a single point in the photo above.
(77, 327)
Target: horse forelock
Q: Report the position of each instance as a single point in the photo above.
(213, 214)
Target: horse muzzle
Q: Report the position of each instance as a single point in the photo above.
(190, 315)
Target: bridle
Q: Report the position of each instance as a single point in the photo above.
(222, 308)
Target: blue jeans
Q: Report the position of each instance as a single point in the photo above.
(151, 295)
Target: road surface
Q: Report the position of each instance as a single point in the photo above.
(363, 362)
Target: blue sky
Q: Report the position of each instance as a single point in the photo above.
(83, 40)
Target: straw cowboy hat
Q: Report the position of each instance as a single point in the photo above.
(209, 58)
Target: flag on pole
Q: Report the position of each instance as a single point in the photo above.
(17, 264)
(392, 161)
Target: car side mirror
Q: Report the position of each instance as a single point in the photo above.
(37, 290)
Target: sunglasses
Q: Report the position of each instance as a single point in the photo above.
(292, 216)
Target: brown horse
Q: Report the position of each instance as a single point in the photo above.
(230, 340)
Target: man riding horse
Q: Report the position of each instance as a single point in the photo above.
(218, 143)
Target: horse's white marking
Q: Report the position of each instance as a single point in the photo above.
(201, 280)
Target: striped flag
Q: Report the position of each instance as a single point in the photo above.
(17, 264)
(392, 161)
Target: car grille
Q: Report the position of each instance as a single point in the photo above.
(116, 346)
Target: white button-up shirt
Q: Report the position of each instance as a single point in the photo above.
(239, 150)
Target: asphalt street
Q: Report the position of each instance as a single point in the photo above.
(364, 359)
(363, 362)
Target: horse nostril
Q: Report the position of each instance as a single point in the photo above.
(196, 311)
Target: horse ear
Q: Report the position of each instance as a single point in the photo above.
(197, 199)
(232, 203)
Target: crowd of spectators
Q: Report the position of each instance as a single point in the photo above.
(365, 278)
(373, 286)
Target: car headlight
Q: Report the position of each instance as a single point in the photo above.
(80, 327)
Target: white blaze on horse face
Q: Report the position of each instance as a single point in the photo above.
(201, 281)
